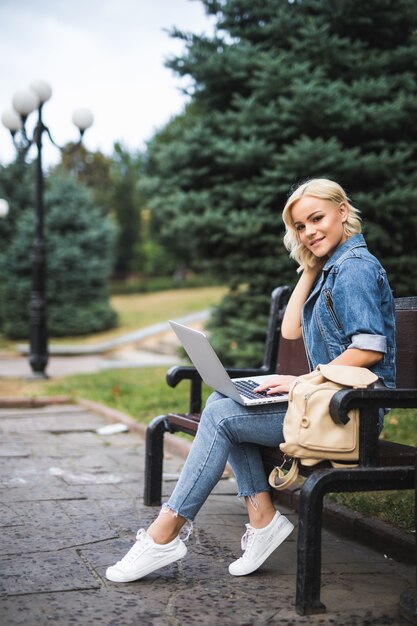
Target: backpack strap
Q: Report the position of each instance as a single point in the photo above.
(280, 480)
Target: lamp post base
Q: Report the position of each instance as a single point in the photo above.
(38, 376)
(38, 362)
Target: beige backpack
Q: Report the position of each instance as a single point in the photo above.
(311, 435)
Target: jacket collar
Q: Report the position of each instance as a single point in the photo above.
(355, 241)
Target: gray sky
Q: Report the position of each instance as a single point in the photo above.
(105, 55)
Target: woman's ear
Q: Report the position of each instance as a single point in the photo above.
(343, 210)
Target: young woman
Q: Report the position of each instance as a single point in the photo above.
(343, 307)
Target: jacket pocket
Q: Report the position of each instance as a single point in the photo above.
(330, 307)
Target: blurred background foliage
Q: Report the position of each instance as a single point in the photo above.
(282, 91)
(80, 244)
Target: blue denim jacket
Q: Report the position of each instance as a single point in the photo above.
(351, 306)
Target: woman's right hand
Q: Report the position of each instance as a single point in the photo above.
(276, 384)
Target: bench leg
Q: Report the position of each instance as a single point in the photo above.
(408, 599)
(154, 460)
(307, 600)
(310, 520)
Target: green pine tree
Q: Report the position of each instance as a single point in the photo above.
(126, 204)
(113, 182)
(79, 243)
(17, 188)
(285, 91)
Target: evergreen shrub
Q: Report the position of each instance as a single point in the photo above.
(79, 243)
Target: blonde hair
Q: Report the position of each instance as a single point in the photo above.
(326, 190)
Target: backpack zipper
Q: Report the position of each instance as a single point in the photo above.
(305, 421)
(291, 390)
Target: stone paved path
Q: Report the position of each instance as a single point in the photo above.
(70, 503)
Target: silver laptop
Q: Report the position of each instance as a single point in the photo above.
(211, 370)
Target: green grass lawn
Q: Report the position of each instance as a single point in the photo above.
(141, 393)
(136, 311)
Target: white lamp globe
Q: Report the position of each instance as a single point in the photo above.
(83, 119)
(25, 101)
(11, 120)
(4, 207)
(42, 90)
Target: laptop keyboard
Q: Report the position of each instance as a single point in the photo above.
(246, 387)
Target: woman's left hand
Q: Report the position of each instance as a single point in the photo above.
(276, 384)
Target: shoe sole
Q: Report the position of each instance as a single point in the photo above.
(119, 577)
(281, 536)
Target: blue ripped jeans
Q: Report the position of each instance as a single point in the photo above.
(230, 432)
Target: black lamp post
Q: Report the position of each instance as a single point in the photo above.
(24, 103)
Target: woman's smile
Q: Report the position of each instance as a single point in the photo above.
(316, 242)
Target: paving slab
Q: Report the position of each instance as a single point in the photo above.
(45, 536)
(36, 572)
(71, 502)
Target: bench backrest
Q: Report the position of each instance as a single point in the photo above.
(406, 338)
(291, 357)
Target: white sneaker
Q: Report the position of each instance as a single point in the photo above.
(259, 543)
(144, 557)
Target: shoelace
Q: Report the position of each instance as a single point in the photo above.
(247, 540)
(137, 549)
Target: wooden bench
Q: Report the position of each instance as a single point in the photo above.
(383, 465)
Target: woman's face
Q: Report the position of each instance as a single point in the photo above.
(319, 224)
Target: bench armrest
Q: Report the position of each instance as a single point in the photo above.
(347, 399)
(177, 373)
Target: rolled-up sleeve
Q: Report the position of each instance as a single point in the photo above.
(378, 343)
(357, 303)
